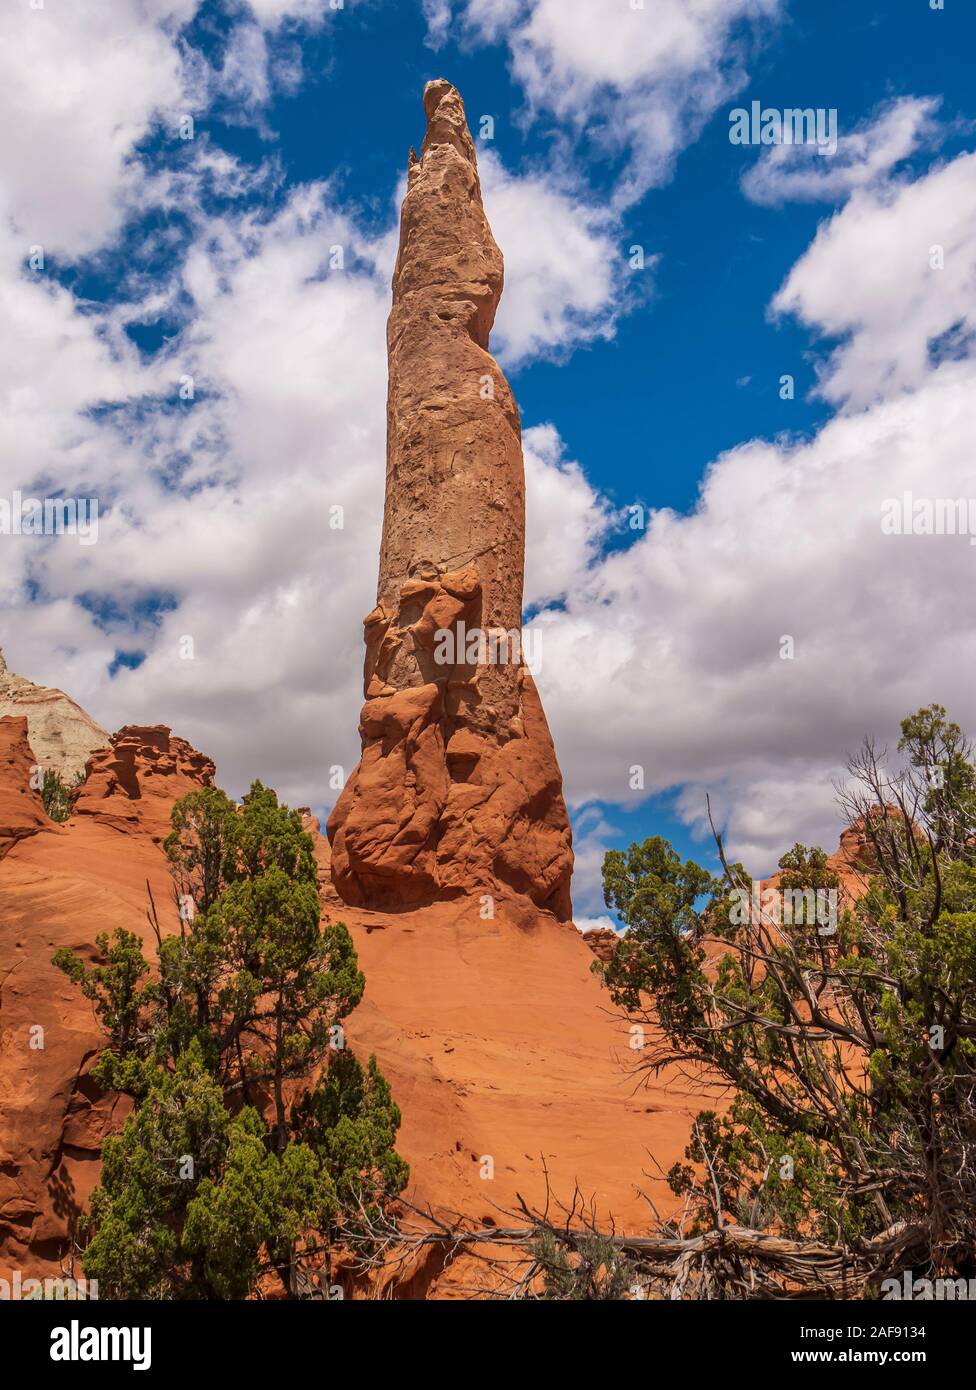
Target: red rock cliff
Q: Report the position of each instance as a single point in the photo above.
(60, 885)
(21, 808)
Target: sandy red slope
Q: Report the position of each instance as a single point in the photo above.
(499, 1041)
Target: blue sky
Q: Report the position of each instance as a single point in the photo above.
(209, 257)
(722, 257)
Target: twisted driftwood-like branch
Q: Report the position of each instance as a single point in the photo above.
(727, 1262)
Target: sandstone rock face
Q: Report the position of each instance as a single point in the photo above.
(21, 808)
(458, 790)
(602, 941)
(134, 782)
(60, 886)
(62, 736)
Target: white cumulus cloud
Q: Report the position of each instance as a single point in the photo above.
(638, 81)
(892, 275)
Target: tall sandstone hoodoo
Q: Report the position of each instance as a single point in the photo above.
(458, 790)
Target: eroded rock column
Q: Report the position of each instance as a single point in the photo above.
(458, 789)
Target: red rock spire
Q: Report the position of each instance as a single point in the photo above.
(458, 790)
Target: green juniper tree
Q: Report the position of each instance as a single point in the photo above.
(351, 1120)
(190, 1195)
(200, 845)
(845, 1149)
(212, 1180)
